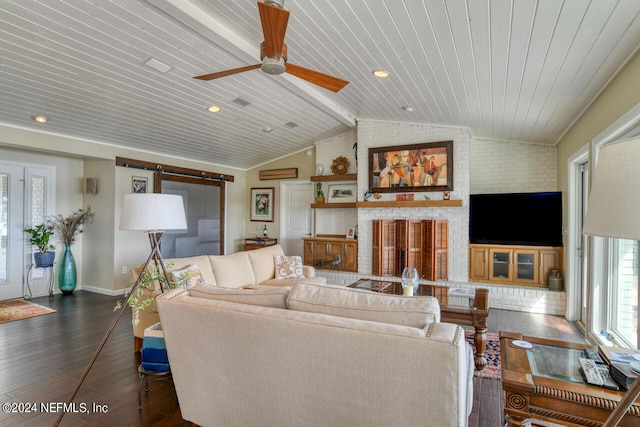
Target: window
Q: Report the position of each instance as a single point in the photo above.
(613, 263)
(623, 306)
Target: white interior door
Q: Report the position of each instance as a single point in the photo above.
(12, 238)
(295, 218)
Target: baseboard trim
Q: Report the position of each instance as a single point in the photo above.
(109, 292)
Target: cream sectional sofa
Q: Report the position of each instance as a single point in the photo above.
(315, 356)
(238, 270)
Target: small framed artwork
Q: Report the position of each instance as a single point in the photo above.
(262, 203)
(342, 193)
(409, 168)
(351, 232)
(139, 184)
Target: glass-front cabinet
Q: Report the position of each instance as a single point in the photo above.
(518, 265)
(513, 265)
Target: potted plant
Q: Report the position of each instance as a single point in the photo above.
(40, 236)
(152, 280)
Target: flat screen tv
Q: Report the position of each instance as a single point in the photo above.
(532, 219)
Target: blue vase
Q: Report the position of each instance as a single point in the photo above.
(67, 275)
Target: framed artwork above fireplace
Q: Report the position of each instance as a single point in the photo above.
(411, 168)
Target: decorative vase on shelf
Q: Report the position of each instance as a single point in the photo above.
(67, 275)
(555, 281)
(319, 193)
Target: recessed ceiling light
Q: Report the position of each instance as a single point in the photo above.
(214, 109)
(381, 73)
(40, 119)
(407, 108)
(267, 130)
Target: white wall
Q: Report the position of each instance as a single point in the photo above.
(98, 251)
(511, 167)
(336, 221)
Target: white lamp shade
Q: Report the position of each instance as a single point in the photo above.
(152, 211)
(614, 200)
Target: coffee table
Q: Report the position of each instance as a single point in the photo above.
(473, 314)
(544, 384)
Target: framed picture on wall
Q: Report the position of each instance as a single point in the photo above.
(411, 168)
(262, 204)
(342, 193)
(138, 184)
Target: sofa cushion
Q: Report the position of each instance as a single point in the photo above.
(288, 267)
(187, 277)
(262, 262)
(316, 280)
(234, 270)
(334, 300)
(275, 297)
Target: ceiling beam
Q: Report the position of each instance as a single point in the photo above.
(189, 13)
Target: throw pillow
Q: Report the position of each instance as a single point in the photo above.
(288, 267)
(187, 277)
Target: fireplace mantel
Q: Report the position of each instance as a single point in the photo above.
(410, 204)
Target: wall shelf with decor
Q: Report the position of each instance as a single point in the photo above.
(341, 177)
(411, 204)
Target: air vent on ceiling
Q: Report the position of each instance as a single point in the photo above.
(291, 125)
(241, 102)
(158, 65)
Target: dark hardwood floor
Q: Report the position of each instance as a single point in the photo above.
(41, 359)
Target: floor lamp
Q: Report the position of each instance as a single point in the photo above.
(153, 213)
(614, 205)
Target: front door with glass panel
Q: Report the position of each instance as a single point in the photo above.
(12, 239)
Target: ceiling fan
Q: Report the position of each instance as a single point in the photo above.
(273, 51)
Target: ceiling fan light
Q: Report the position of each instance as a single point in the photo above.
(276, 3)
(273, 66)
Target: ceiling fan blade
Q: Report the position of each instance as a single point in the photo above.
(326, 81)
(274, 27)
(227, 72)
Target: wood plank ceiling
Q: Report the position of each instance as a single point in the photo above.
(507, 70)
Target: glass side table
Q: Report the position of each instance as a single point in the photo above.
(545, 383)
(556, 363)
